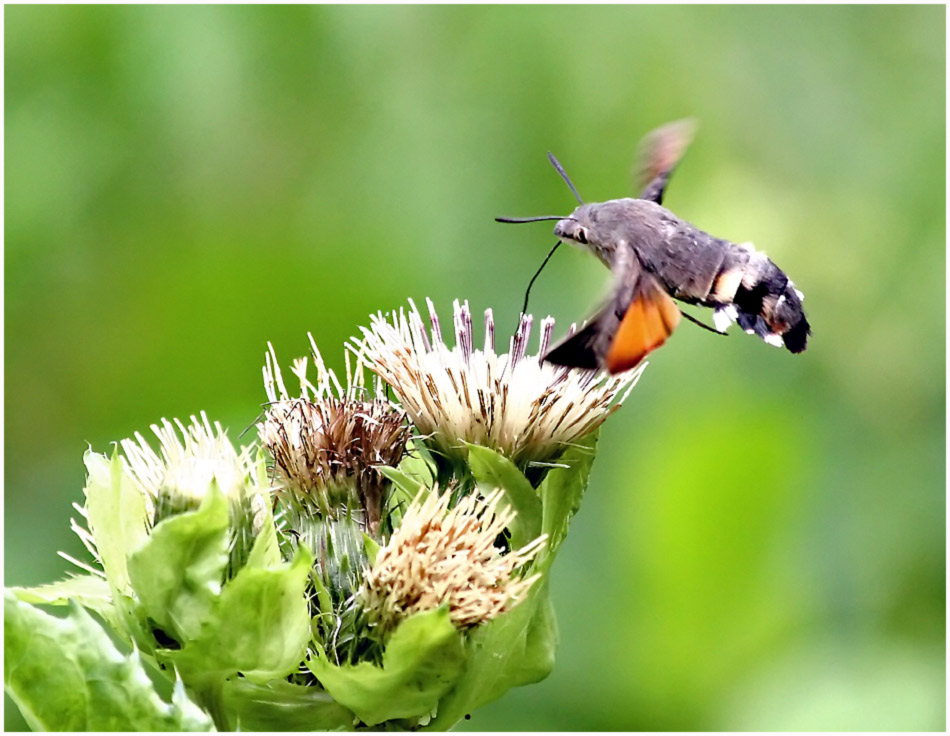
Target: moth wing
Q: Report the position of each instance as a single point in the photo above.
(649, 319)
(579, 350)
(638, 318)
(587, 348)
(657, 156)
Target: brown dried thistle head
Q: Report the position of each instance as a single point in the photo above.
(328, 443)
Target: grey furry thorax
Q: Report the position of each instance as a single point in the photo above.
(605, 227)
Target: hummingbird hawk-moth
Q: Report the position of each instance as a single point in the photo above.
(656, 257)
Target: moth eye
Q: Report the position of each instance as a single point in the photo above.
(581, 235)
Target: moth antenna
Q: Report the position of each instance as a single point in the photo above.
(524, 309)
(540, 218)
(560, 169)
(703, 324)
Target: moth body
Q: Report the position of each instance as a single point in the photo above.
(656, 257)
(736, 280)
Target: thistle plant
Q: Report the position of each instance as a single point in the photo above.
(362, 563)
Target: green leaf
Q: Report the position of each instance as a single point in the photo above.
(371, 546)
(324, 601)
(136, 627)
(260, 626)
(418, 464)
(266, 550)
(416, 470)
(541, 642)
(491, 471)
(404, 489)
(116, 511)
(282, 706)
(90, 591)
(517, 648)
(561, 494)
(421, 662)
(65, 674)
(177, 572)
(403, 481)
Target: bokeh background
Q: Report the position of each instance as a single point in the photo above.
(762, 544)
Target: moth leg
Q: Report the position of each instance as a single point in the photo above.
(702, 324)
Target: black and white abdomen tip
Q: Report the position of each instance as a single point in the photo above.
(764, 301)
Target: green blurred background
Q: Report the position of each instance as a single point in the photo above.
(762, 544)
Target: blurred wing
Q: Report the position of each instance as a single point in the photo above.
(580, 349)
(658, 155)
(638, 318)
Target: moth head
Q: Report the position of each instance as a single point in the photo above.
(571, 231)
(574, 229)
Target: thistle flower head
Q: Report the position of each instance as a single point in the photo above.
(512, 402)
(190, 457)
(328, 443)
(447, 556)
(177, 479)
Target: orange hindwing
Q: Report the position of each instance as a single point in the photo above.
(650, 319)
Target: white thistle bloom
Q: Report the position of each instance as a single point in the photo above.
(174, 480)
(191, 457)
(447, 556)
(515, 403)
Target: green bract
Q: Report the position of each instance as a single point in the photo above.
(422, 661)
(177, 572)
